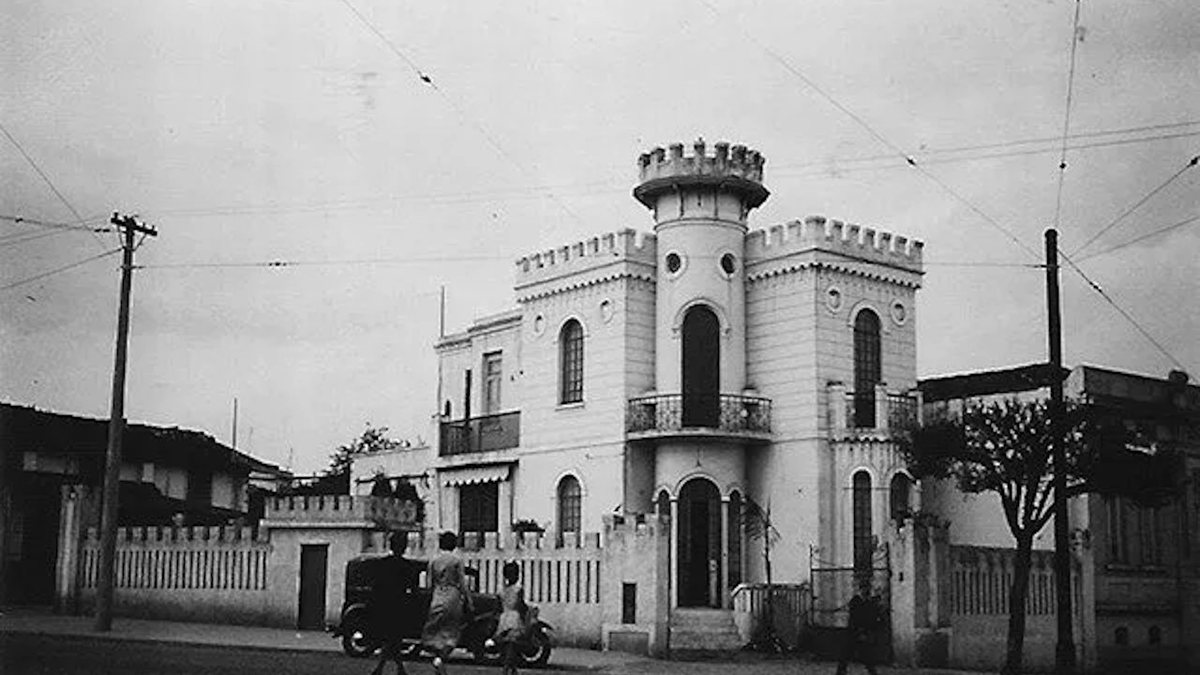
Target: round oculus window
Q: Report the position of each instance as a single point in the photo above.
(674, 263)
(729, 263)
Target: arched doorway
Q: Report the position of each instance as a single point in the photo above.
(699, 556)
(701, 367)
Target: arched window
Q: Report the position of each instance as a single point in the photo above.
(901, 494)
(1154, 636)
(864, 545)
(570, 345)
(701, 368)
(570, 503)
(867, 368)
(1121, 636)
(663, 504)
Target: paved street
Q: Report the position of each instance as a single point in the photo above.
(26, 654)
(22, 654)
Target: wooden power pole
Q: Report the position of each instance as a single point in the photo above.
(1065, 647)
(105, 577)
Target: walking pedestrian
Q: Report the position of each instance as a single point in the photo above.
(865, 615)
(397, 578)
(512, 629)
(450, 605)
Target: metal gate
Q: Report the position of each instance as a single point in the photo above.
(832, 588)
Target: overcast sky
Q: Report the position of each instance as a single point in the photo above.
(257, 131)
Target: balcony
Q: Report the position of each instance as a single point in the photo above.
(873, 412)
(718, 415)
(480, 434)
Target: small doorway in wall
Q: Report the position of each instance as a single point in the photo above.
(314, 564)
(699, 556)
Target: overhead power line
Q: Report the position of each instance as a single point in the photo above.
(25, 237)
(427, 79)
(1138, 204)
(57, 270)
(1148, 235)
(79, 219)
(1120, 310)
(815, 169)
(1062, 155)
(905, 156)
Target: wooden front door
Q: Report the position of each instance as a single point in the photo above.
(314, 563)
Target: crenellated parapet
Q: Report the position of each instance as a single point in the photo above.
(201, 535)
(736, 168)
(607, 255)
(325, 510)
(816, 233)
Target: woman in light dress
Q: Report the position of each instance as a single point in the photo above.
(450, 605)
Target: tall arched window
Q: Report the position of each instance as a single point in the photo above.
(701, 368)
(570, 505)
(901, 493)
(570, 345)
(864, 544)
(867, 368)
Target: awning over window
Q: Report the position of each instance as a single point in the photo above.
(492, 473)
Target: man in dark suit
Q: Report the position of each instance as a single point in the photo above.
(396, 577)
(866, 614)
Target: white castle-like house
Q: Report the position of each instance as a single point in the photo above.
(684, 372)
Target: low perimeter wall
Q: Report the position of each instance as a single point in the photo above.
(980, 582)
(584, 586)
(203, 574)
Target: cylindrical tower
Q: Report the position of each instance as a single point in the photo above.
(700, 205)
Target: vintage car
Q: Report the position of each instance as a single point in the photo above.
(359, 639)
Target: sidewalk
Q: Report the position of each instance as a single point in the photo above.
(43, 622)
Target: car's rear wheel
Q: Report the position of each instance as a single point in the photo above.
(355, 644)
(537, 652)
(354, 637)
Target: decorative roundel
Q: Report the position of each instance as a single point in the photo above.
(833, 298)
(899, 313)
(728, 264)
(606, 310)
(674, 262)
(539, 325)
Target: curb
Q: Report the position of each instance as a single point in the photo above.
(297, 649)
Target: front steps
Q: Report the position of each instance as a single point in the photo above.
(703, 630)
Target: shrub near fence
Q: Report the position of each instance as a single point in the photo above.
(563, 580)
(207, 574)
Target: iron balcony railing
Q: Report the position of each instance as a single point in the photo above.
(481, 434)
(725, 413)
(875, 409)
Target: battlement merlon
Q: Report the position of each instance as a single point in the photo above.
(622, 246)
(734, 168)
(835, 236)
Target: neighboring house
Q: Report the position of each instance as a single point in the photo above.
(1138, 566)
(168, 475)
(683, 372)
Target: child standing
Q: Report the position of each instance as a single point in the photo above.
(510, 629)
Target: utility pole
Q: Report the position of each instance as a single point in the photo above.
(128, 227)
(1064, 660)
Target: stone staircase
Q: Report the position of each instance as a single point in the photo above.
(704, 630)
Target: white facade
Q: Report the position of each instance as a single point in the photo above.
(709, 351)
